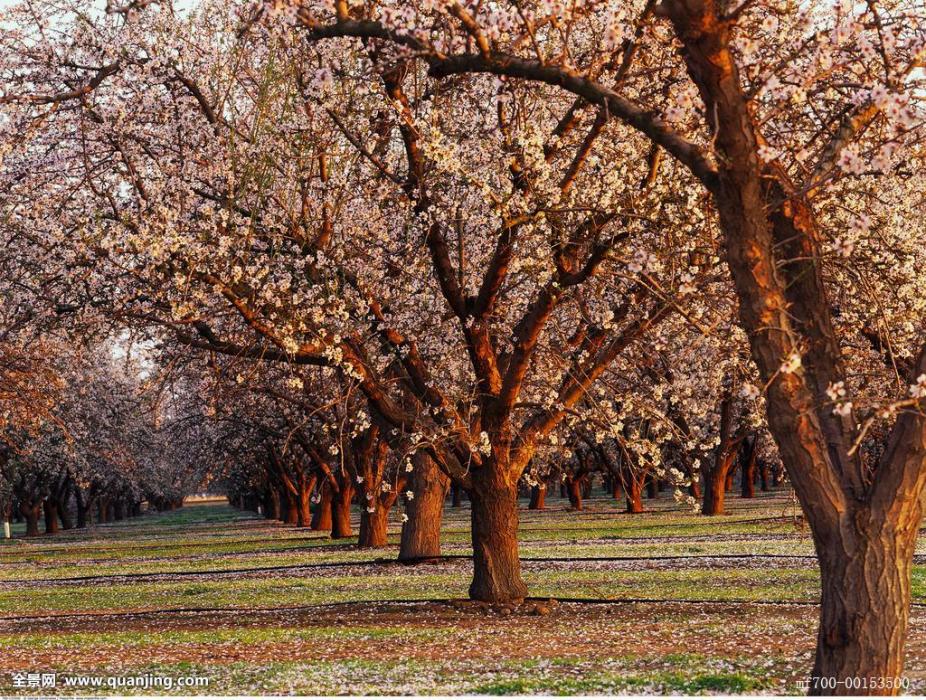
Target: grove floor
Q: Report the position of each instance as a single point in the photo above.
(665, 601)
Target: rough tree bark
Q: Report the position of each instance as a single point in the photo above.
(373, 527)
(421, 532)
(340, 510)
(863, 516)
(496, 566)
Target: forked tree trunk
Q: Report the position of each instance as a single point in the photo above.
(321, 516)
(421, 532)
(373, 527)
(340, 511)
(538, 497)
(864, 609)
(496, 566)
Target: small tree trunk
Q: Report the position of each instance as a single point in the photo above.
(574, 491)
(119, 509)
(340, 511)
(321, 516)
(764, 477)
(748, 485)
(617, 490)
(457, 497)
(51, 516)
(714, 492)
(64, 514)
(31, 515)
(292, 508)
(81, 509)
(496, 566)
(634, 493)
(538, 497)
(421, 532)
(373, 527)
(305, 502)
(652, 488)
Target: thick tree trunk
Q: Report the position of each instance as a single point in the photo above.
(864, 610)
(373, 527)
(421, 532)
(321, 516)
(538, 497)
(340, 511)
(51, 516)
(496, 566)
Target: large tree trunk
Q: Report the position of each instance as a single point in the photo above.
(421, 532)
(340, 511)
(865, 605)
(774, 256)
(373, 527)
(321, 516)
(496, 566)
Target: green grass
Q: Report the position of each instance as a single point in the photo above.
(636, 648)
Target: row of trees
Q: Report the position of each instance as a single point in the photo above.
(401, 244)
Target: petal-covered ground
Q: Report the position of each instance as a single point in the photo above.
(666, 601)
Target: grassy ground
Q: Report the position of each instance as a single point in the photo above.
(666, 601)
